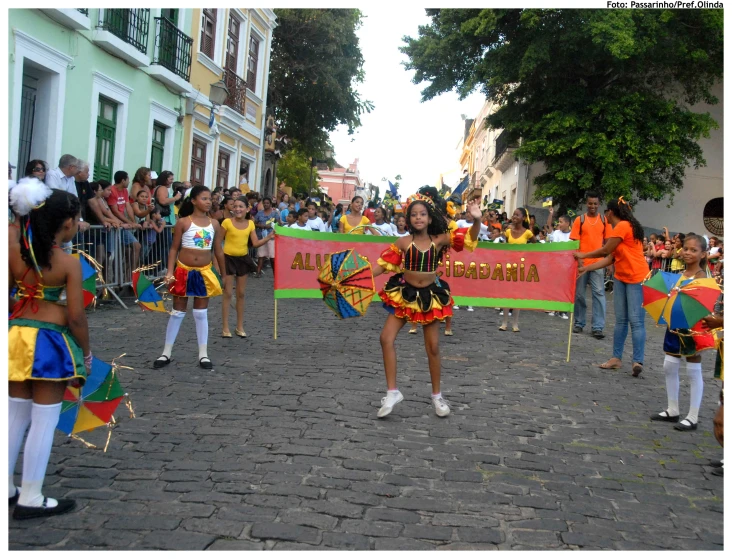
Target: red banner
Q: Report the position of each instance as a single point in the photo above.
(536, 276)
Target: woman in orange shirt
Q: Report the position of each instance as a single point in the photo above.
(625, 246)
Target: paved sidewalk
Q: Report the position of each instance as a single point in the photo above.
(279, 446)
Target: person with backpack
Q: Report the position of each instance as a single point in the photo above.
(590, 229)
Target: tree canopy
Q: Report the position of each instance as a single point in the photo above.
(601, 97)
(294, 170)
(315, 66)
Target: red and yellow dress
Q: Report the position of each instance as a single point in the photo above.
(421, 305)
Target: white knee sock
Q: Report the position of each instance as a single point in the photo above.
(201, 318)
(37, 452)
(671, 367)
(19, 417)
(174, 322)
(697, 390)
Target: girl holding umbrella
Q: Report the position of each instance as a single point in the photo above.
(48, 343)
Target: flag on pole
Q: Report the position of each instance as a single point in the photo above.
(546, 202)
(393, 190)
(459, 189)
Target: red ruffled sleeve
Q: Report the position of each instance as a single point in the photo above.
(391, 259)
(460, 239)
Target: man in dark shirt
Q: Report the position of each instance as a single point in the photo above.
(82, 186)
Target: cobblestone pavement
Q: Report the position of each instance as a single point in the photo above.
(279, 447)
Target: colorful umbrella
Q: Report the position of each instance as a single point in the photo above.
(92, 405)
(147, 297)
(88, 278)
(347, 283)
(656, 290)
(690, 302)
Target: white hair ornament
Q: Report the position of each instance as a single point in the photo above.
(28, 194)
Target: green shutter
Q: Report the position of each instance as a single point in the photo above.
(158, 148)
(106, 129)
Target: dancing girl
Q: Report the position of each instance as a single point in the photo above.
(415, 294)
(48, 344)
(190, 263)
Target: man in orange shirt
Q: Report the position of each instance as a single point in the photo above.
(590, 230)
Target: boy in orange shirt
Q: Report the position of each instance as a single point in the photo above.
(590, 230)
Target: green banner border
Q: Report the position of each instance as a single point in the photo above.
(472, 301)
(342, 237)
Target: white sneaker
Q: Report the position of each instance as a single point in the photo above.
(389, 401)
(470, 309)
(510, 313)
(501, 314)
(441, 407)
(456, 308)
(552, 313)
(564, 315)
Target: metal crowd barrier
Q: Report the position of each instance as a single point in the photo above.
(120, 251)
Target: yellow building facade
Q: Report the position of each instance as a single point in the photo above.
(232, 45)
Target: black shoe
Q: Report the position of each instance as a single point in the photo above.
(718, 472)
(14, 499)
(716, 463)
(667, 417)
(24, 513)
(688, 426)
(161, 362)
(205, 363)
(598, 334)
(577, 329)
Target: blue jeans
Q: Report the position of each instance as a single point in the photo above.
(629, 309)
(597, 282)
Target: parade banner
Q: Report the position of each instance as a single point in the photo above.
(532, 276)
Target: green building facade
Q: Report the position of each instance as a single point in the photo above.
(106, 85)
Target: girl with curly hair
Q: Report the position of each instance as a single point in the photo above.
(415, 294)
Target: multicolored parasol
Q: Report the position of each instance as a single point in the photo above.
(656, 291)
(89, 276)
(347, 283)
(92, 405)
(690, 302)
(147, 296)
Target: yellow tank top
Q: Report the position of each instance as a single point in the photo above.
(522, 240)
(347, 226)
(236, 242)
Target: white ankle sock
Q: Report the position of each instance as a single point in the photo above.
(174, 322)
(395, 390)
(697, 390)
(671, 368)
(19, 417)
(201, 318)
(438, 395)
(36, 453)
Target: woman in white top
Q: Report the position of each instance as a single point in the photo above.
(191, 262)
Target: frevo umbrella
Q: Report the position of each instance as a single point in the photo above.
(347, 283)
(147, 296)
(91, 406)
(88, 278)
(690, 302)
(656, 290)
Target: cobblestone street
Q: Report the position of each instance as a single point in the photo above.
(279, 446)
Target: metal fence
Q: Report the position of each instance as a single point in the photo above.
(121, 251)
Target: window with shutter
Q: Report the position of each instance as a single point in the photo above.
(252, 64)
(232, 44)
(106, 132)
(198, 163)
(222, 175)
(208, 32)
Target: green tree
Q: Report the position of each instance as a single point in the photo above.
(315, 67)
(294, 170)
(601, 97)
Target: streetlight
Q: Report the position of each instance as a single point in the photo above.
(219, 93)
(313, 163)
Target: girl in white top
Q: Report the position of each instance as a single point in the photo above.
(379, 223)
(401, 226)
(190, 262)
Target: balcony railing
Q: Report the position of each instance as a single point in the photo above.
(237, 91)
(502, 144)
(84, 11)
(172, 48)
(130, 25)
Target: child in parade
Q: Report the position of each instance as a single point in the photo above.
(236, 234)
(415, 294)
(380, 223)
(48, 344)
(303, 217)
(686, 343)
(401, 225)
(519, 233)
(290, 219)
(190, 265)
